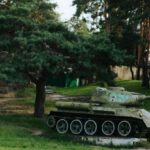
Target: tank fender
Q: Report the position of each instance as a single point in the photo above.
(145, 115)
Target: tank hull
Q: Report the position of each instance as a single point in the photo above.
(99, 123)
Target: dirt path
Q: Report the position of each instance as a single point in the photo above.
(14, 105)
(63, 97)
(9, 99)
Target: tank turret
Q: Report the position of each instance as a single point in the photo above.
(104, 114)
(117, 95)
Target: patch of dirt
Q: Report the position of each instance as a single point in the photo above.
(8, 95)
(12, 105)
(63, 97)
(37, 132)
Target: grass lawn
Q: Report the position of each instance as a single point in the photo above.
(134, 86)
(130, 85)
(19, 130)
(84, 90)
(23, 132)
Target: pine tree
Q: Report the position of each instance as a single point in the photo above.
(37, 43)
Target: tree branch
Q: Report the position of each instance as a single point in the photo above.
(33, 79)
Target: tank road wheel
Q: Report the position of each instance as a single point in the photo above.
(76, 126)
(90, 127)
(62, 126)
(108, 128)
(51, 121)
(124, 128)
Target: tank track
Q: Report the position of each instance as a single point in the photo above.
(89, 124)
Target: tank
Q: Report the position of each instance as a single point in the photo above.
(112, 112)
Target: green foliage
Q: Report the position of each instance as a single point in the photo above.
(33, 47)
(120, 18)
(102, 54)
(108, 49)
(106, 52)
(38, 45)
(39, 48)
(76, 91)
(23, 36)
(79, 26)
(26, 92)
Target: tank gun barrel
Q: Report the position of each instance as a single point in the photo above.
(147, 97)
(142, 97)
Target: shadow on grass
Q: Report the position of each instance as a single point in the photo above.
(24, 125)
(31, 123)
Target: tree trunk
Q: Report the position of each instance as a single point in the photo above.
(145, 78)
(138, 73)
(40, 99)
(132, 72)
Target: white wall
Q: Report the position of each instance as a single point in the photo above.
(124, 72)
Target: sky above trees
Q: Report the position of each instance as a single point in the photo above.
(65, 9)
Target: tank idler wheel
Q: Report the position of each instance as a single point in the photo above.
(90, 127)
(76, 127)
(108, 128)
(62, 126)
(124, 128)
(51, 121)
